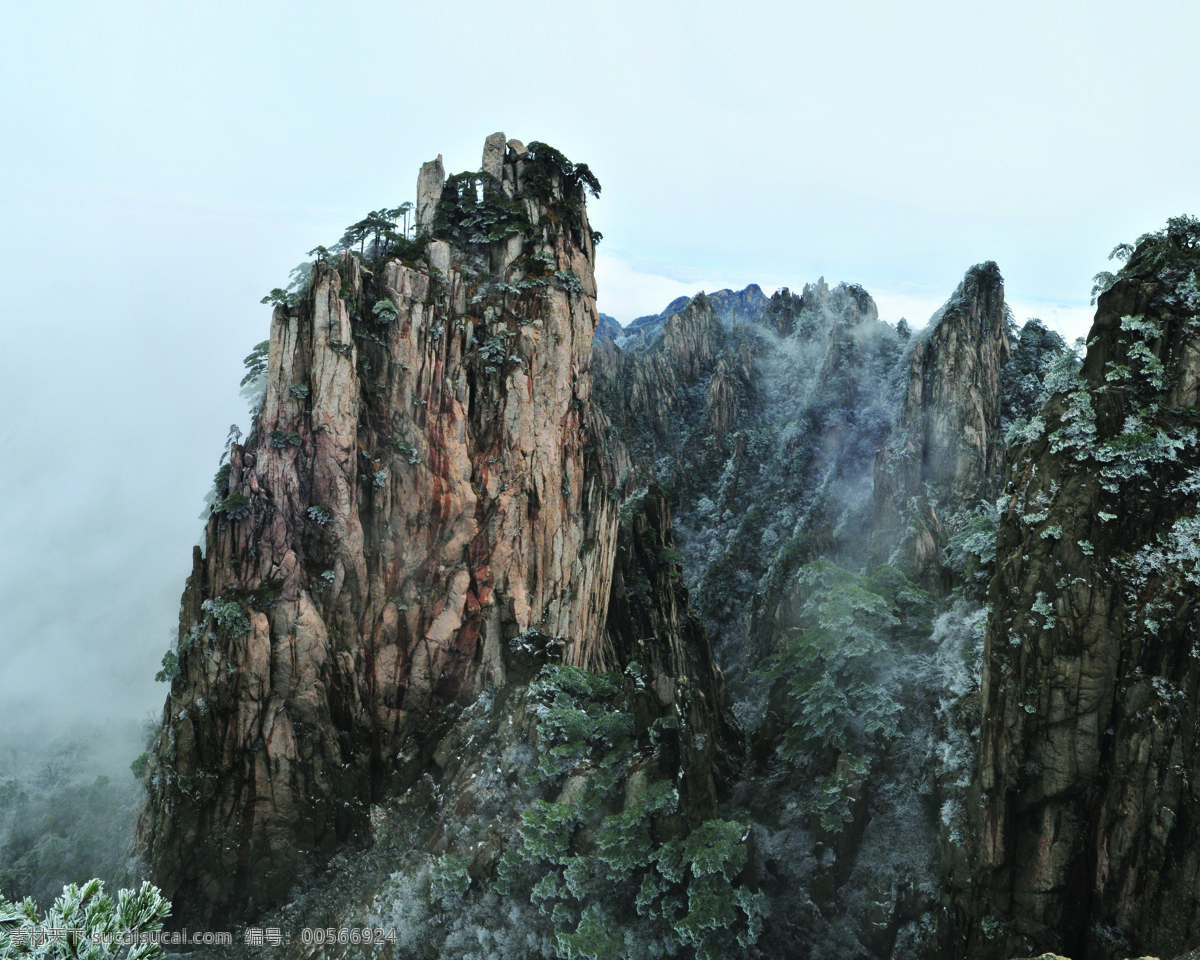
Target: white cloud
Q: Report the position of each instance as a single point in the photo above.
(915, 308)
(626, 293)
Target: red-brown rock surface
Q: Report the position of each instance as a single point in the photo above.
(424, 482)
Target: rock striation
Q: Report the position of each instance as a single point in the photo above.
(947, 450)
(428, 479)
(1088, 837)
(650, 623)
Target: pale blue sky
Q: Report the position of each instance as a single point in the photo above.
(166, 164)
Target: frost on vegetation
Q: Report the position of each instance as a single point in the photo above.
(319, 515)
(586, 877)
(229, 614)
(80, 920)
(1042, 606)
(831, 666)
(972, 550)
(1038, 510)
(1174, 559)
(1170, 253)
(575, 724)
(1024, 431)
(384, 312)
(958, 639)
(680, 893)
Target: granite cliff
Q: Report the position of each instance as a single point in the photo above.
(947, 451)
(427, 482)
(459, 632)
(1086, 823)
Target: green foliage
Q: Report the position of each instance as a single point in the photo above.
(405, 449)
(89, 917)
(319, 515)
(380, 226)
(256, 363)
(170, 668)
(282, 441)
(687, 886)
(558, 183)
(280, 297)
(1145, 442)
(971, 551)
(832, 670)
(449, 880)
(544, 165)
(384, 312)
(229, 614)
(235, 506)
(575, 722)
(1035, 353)
(1169, 254)
(140, 765)
(1046, 366)
(593, 874)
(831, 802)
(474, 210)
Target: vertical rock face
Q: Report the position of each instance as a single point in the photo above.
(429, 191)
(947, 451)
(650, 623)
(1089, 834)
(427, 479)
(651, 387)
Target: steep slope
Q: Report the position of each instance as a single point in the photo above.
(947, 451)
(1087, 840)
(760, 417)
(427, 481)
(802, 449)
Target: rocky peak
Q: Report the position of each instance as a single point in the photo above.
(947, 451)
(429, 191)
(426, 479)
(650, 600)
(651, 381)
(1089, 837)
(741, 306)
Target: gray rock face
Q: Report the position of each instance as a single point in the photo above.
(947, 450)
(493, 155)
(1088, 840)
(429, 191)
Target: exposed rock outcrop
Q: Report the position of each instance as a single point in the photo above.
(427, 479)
(947, 450)
(650, 623)
(651, 385)
(1088, 840)
(429, 191)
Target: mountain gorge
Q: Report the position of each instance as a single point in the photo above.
(756, 627)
